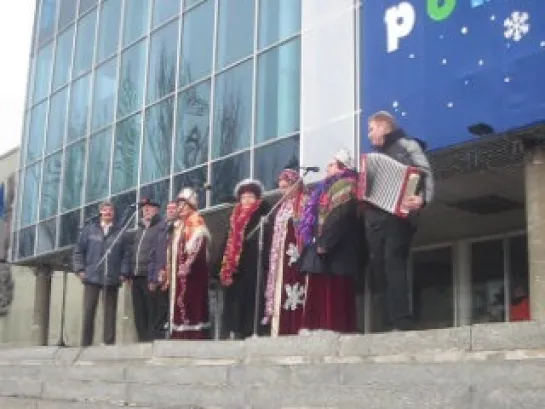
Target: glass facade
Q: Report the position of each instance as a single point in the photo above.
(143, 97)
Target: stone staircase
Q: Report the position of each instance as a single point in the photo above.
(492, 366)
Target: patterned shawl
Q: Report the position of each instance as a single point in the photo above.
(237, 226)
(290, 209)
(327, 195)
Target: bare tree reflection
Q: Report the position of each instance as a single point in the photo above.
(193, 127)
(161, 119)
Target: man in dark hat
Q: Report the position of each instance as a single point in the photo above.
(144, 301)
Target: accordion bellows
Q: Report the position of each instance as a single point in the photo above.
(385, 182)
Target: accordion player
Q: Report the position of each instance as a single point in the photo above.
(385, 182)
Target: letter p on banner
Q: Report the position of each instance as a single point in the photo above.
(399, 21)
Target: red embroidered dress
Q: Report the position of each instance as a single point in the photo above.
(188, 274)
(285, 290)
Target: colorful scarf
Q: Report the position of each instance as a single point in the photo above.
(290, 209)
(231, 256)
(321, 203)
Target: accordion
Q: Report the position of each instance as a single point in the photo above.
(385, 182)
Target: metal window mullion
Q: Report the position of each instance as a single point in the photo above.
(144, 96)
(212, 102)
(67, 119)
(254, 88)
(89, 116)
(116, 96)
(176, 102)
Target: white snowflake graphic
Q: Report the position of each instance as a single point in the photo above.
(292, 253)
(295, 296)
(517, 25)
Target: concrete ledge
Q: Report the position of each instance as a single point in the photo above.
(508, 336)
(449, 339)
(116, 353)
(199, 349)
(28, 354)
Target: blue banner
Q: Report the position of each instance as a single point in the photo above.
(442, 65)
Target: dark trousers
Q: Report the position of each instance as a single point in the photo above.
(389, 242)
(91, 293)
(150, 310)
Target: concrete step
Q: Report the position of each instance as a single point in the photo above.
(491, 366)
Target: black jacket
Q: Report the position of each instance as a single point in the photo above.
(91, 246)
(143, 246)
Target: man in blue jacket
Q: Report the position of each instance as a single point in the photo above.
(108, 275)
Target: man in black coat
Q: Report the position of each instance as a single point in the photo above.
(389, 237)
(145, 301)
(98, 272)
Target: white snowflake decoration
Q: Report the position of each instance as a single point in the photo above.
(517, 25)
(295, 296)
(292, 253)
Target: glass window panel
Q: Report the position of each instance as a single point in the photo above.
(197, 43)
(27, 238)
(90, 213)
(73, 176)
(233, 110)
(162, 62)
(278, 20)
(57, 121)
(47, 20)
(50, 186)
(193, 178)
(433, 291)
(193, 124)
(104, 95)
(69, 228)
(131, 81)
(108, 31)
(270, 160)
(278, 91)
(47, 232)
(67, 12)
(188, 3)
(63, 58)
(122, 205)
(136, 20)
(30, 195)
(164, 9)
(235, 31)
(42, 75)
(519, 309)
(157, 141)
(85, 5)
(158, 192)
(36, 132)
(487, 282)
(226, 174)
(79, 109)
(126, 153)
(98, 166)
(85, 43)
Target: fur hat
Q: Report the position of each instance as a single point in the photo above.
(189, 196)
(249, 185)
(345, 157)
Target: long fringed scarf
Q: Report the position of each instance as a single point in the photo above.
(231, 256)
(290, 209)
(319, 200)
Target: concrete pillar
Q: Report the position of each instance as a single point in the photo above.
(535, 215)
(42, 299)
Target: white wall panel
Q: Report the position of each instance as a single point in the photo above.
(328, 84)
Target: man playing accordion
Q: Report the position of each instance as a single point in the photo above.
(388, 235)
